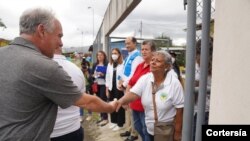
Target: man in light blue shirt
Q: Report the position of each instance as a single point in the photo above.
(130, 64)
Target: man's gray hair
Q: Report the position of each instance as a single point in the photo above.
(31, 18)
(167, 56)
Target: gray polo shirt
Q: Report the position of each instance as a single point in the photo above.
(31, 87)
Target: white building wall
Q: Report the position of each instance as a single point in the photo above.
(230, 93)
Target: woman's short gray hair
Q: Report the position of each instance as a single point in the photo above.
(31, 18)
(167, 56)
(151, 43)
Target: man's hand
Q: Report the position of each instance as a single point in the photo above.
(120, 104)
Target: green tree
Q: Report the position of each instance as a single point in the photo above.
(163, 41)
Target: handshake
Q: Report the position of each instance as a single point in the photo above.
(116, 105)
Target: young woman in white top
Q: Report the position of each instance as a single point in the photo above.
(113, 76)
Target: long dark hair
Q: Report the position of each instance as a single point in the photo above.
(105, 61)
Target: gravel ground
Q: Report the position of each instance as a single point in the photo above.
(92, 132)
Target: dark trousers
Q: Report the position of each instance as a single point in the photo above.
(77, 135)
(102, 94)
(151, 137)
(117, 117)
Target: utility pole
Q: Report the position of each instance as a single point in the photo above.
(141, 30)
(82, 32)
(93, 22)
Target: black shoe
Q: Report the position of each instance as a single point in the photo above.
(127, 133)
(131, 138)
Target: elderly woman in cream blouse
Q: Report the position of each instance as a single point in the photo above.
(169, 97)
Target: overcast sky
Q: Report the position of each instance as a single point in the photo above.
(158, 17)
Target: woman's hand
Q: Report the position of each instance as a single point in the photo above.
(114, 105)
(100, 74)
(177, 136)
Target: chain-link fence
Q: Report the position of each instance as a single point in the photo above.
(199, 6)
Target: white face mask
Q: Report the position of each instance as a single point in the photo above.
(114, 57)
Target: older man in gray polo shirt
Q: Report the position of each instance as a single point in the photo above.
(32, 85)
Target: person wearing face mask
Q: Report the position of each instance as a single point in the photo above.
(113, 76)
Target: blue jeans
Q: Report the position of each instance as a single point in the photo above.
(140, 125)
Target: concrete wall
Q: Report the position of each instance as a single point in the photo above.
(116, 12)
(230, 93)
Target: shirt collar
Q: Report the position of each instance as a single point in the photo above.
(24, 43)
(59, 56)
(132, 52)
(166, 82)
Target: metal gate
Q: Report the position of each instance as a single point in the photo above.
(197, 11)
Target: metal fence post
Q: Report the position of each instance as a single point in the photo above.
(190, 67)
(206, 14)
